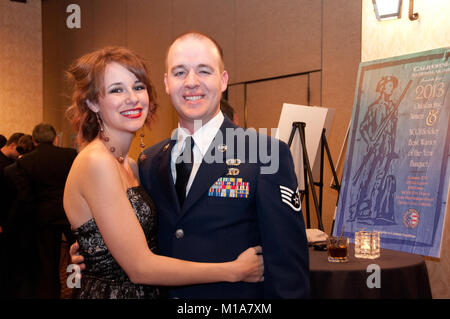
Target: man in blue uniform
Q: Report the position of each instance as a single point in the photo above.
(219, 189)
(240, 190)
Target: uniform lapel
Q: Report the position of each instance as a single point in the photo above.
(164, 174)
(208, 173)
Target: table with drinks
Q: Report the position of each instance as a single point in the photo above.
(389, 275)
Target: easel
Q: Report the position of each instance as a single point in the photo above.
(307, 172)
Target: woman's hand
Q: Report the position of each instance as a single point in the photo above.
(250, 265)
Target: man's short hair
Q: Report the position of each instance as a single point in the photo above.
(201, 36)
(25, 144)
(14, 138)
(44, 133)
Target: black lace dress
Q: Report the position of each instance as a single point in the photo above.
(103, 278)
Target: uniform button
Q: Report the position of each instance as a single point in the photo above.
(179, 234)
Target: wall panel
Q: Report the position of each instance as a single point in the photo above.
(315, 88)
(276, 38)
(265, 99)
(341, 55)
(20, 66)
(236, 98)
(215, 18)
(149, 33)
(109, 22)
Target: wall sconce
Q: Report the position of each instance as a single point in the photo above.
(387, 9)
(392, 9)
(412, 16)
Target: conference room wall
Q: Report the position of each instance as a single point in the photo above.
(20, 66)
(263, 40)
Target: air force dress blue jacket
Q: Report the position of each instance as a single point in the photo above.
(238, 200)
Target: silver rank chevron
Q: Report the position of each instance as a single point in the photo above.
(291, 198)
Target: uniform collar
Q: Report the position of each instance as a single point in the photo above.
(203, 136)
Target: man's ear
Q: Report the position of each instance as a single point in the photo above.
(224, 80)
(165, 83)
(92, 106)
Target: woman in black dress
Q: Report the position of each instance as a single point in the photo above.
(112, 217)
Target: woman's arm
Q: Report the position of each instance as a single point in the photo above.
(125, 239)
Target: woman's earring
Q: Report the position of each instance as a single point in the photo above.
(102, 131)
(142, 146)
(103, 136)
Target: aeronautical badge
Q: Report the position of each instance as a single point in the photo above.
(233, 162)
(411, 218)
(233, 171)
(291, 198)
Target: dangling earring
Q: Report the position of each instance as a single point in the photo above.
(142, 146)
(100, 126)
(105, 138)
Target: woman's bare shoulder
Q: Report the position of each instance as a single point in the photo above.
(95, 159)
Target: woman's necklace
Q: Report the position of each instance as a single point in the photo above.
(105, 138)
(111, 148)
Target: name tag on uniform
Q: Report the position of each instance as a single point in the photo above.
(230, 187)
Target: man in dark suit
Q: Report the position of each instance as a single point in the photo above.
(40, 178)
(228, 190)
(8, 154)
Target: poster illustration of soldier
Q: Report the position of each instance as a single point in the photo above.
(396, 174)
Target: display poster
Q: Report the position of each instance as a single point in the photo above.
(396, 173)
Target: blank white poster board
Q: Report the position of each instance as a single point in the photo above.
(316, 119)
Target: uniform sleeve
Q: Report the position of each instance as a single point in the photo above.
(282, 227)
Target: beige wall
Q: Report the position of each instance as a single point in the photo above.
(299, 52)
(263, 40)
(20, 66)
(382, 39)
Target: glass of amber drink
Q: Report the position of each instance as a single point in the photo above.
(337, 248)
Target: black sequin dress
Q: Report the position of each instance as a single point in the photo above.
(103, 278)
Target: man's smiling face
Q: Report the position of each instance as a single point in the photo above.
(195, 80)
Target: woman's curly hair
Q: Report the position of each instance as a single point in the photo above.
(87, 75)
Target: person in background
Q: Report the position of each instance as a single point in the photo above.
(3, 140)
(40, 178)
(19, 233)
(25, 145)
(8, 154)
(228, 110)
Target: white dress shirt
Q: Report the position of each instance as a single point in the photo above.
(203, 138)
